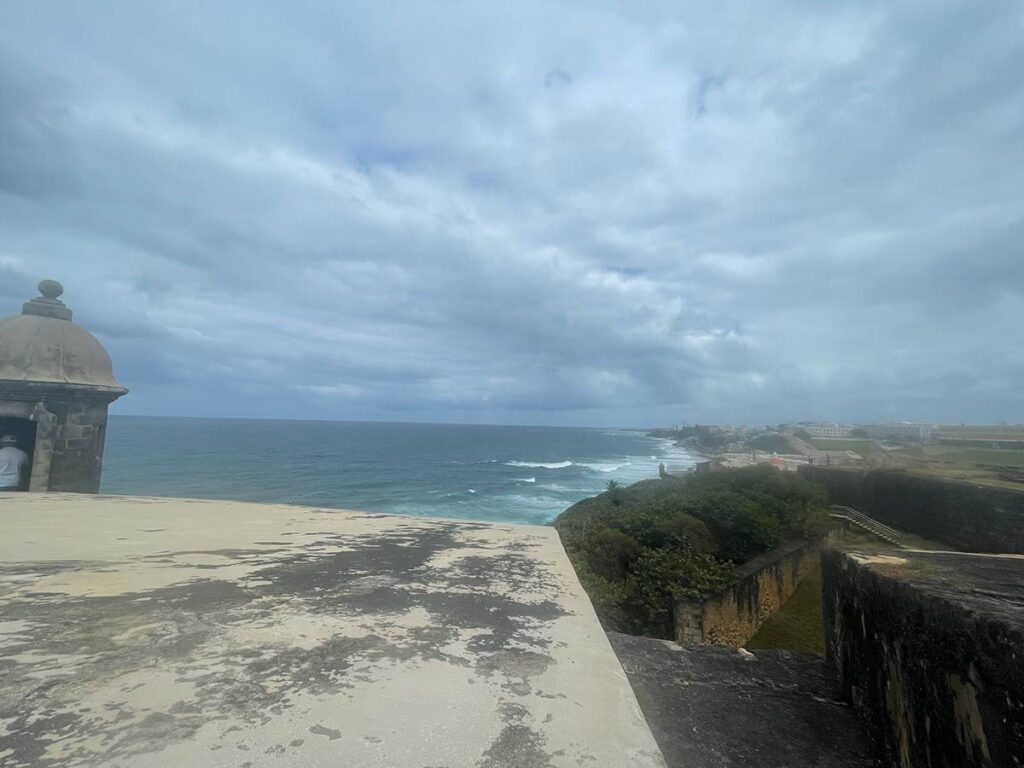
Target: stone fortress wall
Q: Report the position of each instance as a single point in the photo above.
(962, 515)
(929, 648)
(762, 586)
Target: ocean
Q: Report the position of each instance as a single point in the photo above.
(495, 473)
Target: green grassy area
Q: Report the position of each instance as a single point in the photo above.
(771, 442)
(797, 625)
(865, 448)
(968, 456)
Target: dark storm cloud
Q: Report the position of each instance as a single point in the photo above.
(532, 213)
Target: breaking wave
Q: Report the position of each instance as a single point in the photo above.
(540, 464)
(605, 467)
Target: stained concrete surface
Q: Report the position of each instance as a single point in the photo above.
(164, 632)
(718, 707)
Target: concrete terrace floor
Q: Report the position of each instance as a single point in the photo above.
(165, 632)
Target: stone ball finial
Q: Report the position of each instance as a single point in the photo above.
(50, 289)
(47, 304)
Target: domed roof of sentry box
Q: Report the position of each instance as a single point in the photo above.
(42, 345)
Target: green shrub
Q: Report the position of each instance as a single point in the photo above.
(661, 575)
(637, 548)
(610, 552)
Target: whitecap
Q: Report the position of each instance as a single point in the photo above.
(567, 489)
(526, 479)
(605, 467)
(540, 464)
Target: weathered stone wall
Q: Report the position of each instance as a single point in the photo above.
(762, 586)
(929, 647)
(77, 460)
(965, 516)
(70, 437)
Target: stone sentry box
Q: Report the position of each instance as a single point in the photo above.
(56, 384)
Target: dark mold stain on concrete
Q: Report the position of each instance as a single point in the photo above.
(518, 745)
(174, 628)
(330, 733)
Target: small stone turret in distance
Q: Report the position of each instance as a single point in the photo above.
(56, 384)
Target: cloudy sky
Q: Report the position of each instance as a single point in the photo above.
(539, 213)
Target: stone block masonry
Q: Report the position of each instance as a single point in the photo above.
(929, 647)
(77, 460)
(762, 586)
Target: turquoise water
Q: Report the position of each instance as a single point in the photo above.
(508, 474)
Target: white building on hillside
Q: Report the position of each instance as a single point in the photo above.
(900, 430)
(826, 430)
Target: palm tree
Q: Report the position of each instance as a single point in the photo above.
(612, 489)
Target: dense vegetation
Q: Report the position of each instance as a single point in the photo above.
(635, 548)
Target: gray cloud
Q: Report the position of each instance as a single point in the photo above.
(541, 213)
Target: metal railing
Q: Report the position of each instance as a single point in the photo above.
(869, 524)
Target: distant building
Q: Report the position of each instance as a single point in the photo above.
(826, 430)
(56, 383)
(899, 430)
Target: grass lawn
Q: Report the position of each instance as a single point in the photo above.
(797, 625)
(1005, 458)
(865, 448)
(967, 456)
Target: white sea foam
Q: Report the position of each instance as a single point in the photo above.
(604, 467)
(540, 464)
(566, 488)
(526, 479)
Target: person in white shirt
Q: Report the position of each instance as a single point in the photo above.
(13, 462)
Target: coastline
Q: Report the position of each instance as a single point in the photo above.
(489, 473)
